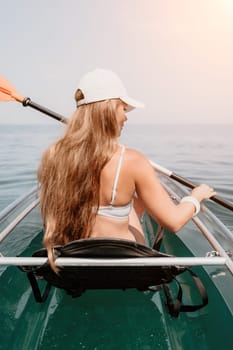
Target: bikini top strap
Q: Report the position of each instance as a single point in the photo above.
(117, 175)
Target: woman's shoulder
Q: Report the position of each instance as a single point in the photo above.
(135, 155)
(137, 162)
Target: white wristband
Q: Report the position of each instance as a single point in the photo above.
(194, 201)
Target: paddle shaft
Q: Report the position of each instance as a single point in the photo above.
(27, 102)
(189, 184)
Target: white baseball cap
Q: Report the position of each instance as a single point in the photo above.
(102, 84)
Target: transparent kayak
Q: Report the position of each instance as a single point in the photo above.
(112, 318)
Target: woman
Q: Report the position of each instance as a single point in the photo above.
(88, 180)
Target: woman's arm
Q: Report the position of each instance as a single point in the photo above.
(157, 201)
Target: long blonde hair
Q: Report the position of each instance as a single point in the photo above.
(69, 173)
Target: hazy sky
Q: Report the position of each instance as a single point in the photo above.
(174, 55)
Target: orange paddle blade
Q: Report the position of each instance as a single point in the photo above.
(8, 91)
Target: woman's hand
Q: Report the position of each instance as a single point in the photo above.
(203, 192)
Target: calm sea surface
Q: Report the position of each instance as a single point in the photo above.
(201, 153)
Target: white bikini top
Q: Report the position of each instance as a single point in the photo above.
(119, 212)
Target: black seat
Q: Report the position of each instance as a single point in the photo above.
(76, 279)
(80, 278)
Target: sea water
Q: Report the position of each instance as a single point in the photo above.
(200, 153)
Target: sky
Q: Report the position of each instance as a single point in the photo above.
(176, 56)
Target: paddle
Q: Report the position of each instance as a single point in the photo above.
(183, 181)
(9, 93)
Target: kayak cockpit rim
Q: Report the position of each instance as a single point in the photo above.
(126, 262)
